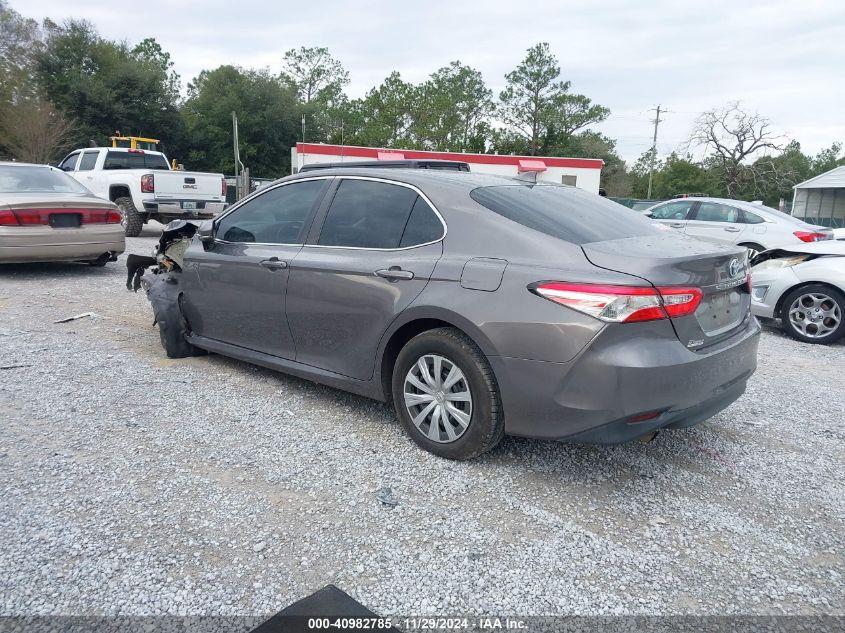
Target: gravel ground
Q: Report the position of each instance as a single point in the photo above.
(134, 484)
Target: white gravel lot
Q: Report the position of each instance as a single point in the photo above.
(134, 484)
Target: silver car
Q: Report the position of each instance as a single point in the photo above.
(45, 216)
(726, 221)
(803, 288)
(478, 305)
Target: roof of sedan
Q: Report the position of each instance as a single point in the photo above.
(418, 176)
(11, 163)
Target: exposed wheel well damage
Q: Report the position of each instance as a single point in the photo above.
(398, 340)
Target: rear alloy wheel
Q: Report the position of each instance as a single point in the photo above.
(814, 314)
(446, 396)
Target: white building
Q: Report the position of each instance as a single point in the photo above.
(821, 200)
(584, 173)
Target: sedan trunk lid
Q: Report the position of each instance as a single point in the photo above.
(720, 272)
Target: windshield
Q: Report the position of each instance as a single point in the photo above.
(566, 213)
(37, 179)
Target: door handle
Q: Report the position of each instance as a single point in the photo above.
(274, 263)
(677, 225)
(394, 273)
(732, 229)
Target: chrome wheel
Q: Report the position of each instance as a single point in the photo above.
(438, 399)
(815, 315)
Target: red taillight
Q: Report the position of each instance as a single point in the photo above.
(136, 151)
(811, 236)
(223, 190)
(41, 217)
(7, 218)
(621, 304)
(148, 183)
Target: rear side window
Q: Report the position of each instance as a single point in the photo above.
(367, 214)
(135, 160)
(672, 210)
(423, 226)
(714, 212)
(750, 218)
(566, 213)
(89, 159)
(278, 216)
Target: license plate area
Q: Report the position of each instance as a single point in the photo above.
(192, 205)
(722, 310)
(65, 220)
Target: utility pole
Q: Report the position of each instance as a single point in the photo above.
(653, 150)
(303, 128)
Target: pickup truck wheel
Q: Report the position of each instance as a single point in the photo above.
(132, 220)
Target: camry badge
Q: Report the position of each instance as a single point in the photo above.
(734, 268)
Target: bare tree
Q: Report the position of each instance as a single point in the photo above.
(34, 131)
(730, 136)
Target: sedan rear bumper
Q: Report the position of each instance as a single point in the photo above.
(21, 244)
(632, 379)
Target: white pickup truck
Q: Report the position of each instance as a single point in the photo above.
(142, 184)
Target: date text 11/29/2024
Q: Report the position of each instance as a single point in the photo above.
(417, 623)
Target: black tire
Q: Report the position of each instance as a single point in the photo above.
(133, 221)
(172, 333)
(834, 295)
(486, 425)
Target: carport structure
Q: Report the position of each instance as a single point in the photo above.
(821, 200)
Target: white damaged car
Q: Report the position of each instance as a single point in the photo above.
(802, 287)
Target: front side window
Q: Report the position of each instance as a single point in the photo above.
(89, 159)
(69, 163)
(566, 213)
(672, 210)
(715, 212)
(277, 216)
(367, 214)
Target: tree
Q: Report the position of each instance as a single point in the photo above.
(729, 137)
(454, 107)
(383, 118)
(674, 175)
(539, 110)
(105, 86)
(34, 132)
(267, 121)
(20, 40)
(313, 73)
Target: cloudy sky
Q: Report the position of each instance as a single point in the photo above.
(783, 58)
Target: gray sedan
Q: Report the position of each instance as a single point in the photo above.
(478, 305)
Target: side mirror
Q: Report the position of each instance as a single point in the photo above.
(206, 233)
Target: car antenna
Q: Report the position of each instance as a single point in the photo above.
(528, 176)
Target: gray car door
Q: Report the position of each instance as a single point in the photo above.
(235, 290)
(372, 256)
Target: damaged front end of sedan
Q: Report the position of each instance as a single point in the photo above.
(160, 276)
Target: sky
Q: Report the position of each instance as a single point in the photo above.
(784, 59)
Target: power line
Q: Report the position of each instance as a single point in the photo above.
(657, 110)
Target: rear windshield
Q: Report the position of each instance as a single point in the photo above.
(25, 179)
(566, 213)
(135, 160)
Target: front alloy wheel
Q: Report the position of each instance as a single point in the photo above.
(814, 314)
(438, 399)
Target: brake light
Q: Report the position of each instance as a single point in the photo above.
(812, 236)
(621, 304)
(7, 218)
(41, 217)
(223, 190)
(148, 183)
(136, 151)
